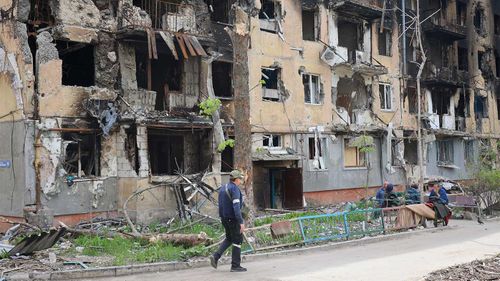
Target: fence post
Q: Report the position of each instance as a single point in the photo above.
(346, 225)
(382, 215)
(302, 230)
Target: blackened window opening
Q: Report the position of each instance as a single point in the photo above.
(267, 10)
(309, 25)
(166, 76)
(385, 43)
(131, 148)
(166, 153)
(222, 75)
(78, 68)
(227, 159)
(220, 10)
(497, 24)
(480, 107)
(463, 61)
(410, 151)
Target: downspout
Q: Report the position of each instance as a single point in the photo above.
(403, 7)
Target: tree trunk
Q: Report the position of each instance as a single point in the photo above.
(218, 132)
(242, 127)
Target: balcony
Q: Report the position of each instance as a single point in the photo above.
(166, 15)
(367, 9)
(445, 76)
(442, 28)
(357, 61)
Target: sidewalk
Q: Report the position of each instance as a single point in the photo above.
(174, 266)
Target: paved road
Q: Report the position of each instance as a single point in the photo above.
(409, 258)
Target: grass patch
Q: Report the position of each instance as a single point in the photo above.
(289, 216)
(130, 251)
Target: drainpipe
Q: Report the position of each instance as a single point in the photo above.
(38, 166)
(403, 7)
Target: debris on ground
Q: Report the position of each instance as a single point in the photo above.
(488, 269)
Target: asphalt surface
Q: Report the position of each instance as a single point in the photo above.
(409, 258)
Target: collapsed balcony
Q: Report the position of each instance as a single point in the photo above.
(352, 51)
(367, 9)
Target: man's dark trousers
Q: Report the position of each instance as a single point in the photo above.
(233, 237)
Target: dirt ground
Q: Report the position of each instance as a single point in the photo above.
(488, 269)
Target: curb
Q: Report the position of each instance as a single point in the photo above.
(115, 271)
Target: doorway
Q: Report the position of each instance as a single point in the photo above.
(286, 188)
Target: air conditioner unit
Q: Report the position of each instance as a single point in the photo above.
(328, 56)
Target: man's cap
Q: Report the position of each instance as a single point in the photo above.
(237, 174)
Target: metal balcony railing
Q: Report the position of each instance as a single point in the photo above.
(171, 16)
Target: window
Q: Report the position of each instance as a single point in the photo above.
(497, 65)
(82, 154)
(445, 152)
(498, 106)
(227, 159)
(480, 56)
(412, 100)
(317, 147)
(463, 62)
(479, 21)
(497, 24)
(461, 13)
(222, 73)
(385, 91)
(166, 152)
(270, 78)
(397, 154)
(312, 90)
(77, 63)
(309, 25)
(480, 107)
(385, 43)
(353, 157)
(469, 151)
(267, 9)
(411, 151)
(267, 16)
(271, 141)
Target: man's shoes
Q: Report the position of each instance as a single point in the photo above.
(238, 269)
(213, 262)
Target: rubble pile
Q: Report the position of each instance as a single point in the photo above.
(488, 269)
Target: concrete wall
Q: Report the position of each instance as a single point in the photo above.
(461, 172)
(17, 178)
(335, 176)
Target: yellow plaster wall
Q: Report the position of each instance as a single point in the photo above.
(12, 44)
(268, 48)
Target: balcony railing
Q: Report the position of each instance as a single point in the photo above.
(443, 27)
(170, 16)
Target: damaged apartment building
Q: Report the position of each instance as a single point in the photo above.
(332, 71)
(101, 98)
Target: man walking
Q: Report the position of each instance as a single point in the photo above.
(230, 203)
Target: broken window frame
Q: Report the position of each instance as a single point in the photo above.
(90, 171)
(270, 22)
(411, 146)
(385, 94)
(360, 157)
(462, 59)
(445, 152)
(386, 38)
(317, 143)
(312, 91)
(315, 27)
(469, 152)
(171, 138)
(271, 90)
(272, 141)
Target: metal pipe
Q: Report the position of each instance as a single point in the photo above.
(403, 6)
